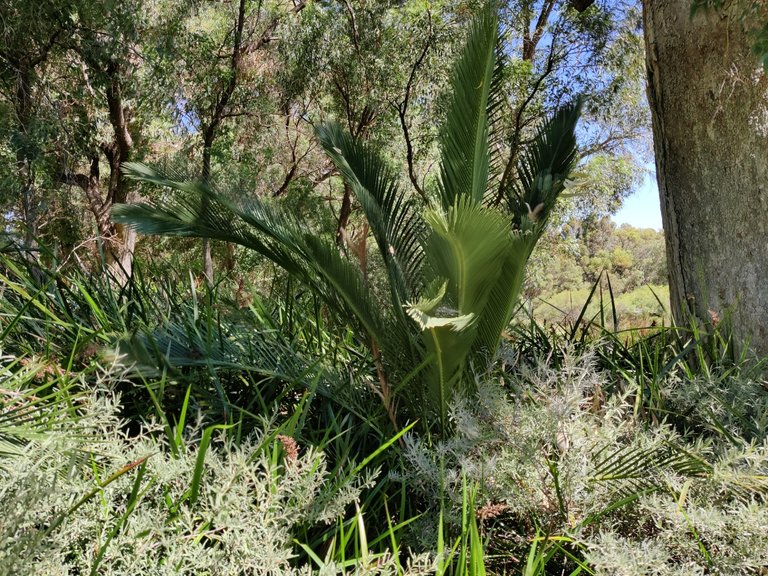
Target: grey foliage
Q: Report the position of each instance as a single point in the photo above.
(634, 498)
(144, 522)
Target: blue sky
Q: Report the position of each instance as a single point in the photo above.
(641, 209)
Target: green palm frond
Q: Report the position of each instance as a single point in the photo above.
(495, 111)
(346, 289)
(395, 223)
(465, 252)
(466, 247)
(633, 471)
(262, 228)
(503, 296)
(542, 172)
(543, 169)
(464, 137)
(642, 464)
(398, 229)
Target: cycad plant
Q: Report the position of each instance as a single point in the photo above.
(454, 266)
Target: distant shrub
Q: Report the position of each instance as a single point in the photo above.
(639, 308)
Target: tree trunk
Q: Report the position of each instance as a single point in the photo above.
(207, 263)
(344, 214)
(119, 240)
(206, 175)
(120, 259)
(709, 105)
(24, 158)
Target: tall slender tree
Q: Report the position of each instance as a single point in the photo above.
(101, 60)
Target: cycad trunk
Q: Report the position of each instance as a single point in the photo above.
(709, 104)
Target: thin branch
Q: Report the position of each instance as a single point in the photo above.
(344, 94)
(402, 110)
(219, 107)
(353, 24)
(286, 181)
(324, 175)
(519, 124)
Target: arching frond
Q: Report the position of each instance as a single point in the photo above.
(345, 286)
(464, 138)
(262, 228)
(393, 217)
(543, 169)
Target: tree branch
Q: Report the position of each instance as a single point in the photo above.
(519, 123)
(530, 42)
(402, 110)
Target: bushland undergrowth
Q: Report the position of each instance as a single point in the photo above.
(146, 427)
(595, 454)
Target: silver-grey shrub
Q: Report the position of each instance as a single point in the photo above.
(551, 445)
(241, 524)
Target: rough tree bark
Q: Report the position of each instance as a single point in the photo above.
(709, 104)
(123, 240)
(29, 200)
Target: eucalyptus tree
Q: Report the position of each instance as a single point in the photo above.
(453, 266)
(113, 93)
(590, 48)
(224, 58)
(30, 33)
(709, 101)
(81, 78)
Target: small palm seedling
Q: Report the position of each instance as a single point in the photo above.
(453, 267)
